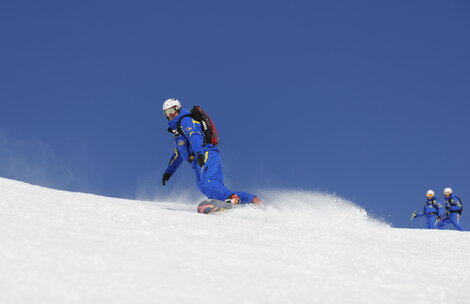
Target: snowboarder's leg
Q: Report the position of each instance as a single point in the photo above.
(210, 181)
(454, 218)
(198, 179)
(211, 178)
(430, 222)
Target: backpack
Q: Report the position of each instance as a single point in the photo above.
(461, 204)
(208, 128)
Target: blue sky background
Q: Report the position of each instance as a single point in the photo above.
(365, 99)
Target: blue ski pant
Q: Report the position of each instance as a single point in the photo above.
(431, 222)
(210, 179)
(452, 218)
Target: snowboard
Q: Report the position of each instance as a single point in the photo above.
(209, 206)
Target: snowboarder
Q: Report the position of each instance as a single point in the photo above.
(453, 210)
(204, 158)
(433, 210)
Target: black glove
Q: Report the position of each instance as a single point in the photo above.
(201, 160)
(165, 178)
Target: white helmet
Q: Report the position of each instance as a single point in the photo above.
(170, 107)
(448, 191)
(430, 193)
(170, 103)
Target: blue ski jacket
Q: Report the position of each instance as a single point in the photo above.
(432, 207)
(188, 144)
(453, 204)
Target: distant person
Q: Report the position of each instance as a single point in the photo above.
(453, 210)
(203, 156)
(432, 211)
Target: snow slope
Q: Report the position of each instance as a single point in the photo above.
(305, 247)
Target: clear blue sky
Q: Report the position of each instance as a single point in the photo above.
(366, 99)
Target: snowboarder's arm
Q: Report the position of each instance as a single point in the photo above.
(419, 214)
(174, 163)
(193, 132)
(455, 205)
(441, 211)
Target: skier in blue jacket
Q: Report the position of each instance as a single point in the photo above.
(432, 211)
(204, 159)
(453, 208)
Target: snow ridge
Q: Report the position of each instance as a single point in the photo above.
(304, 247)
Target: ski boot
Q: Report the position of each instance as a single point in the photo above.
(233, 199)
(256, 201)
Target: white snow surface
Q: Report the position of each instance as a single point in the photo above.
(304, 247)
